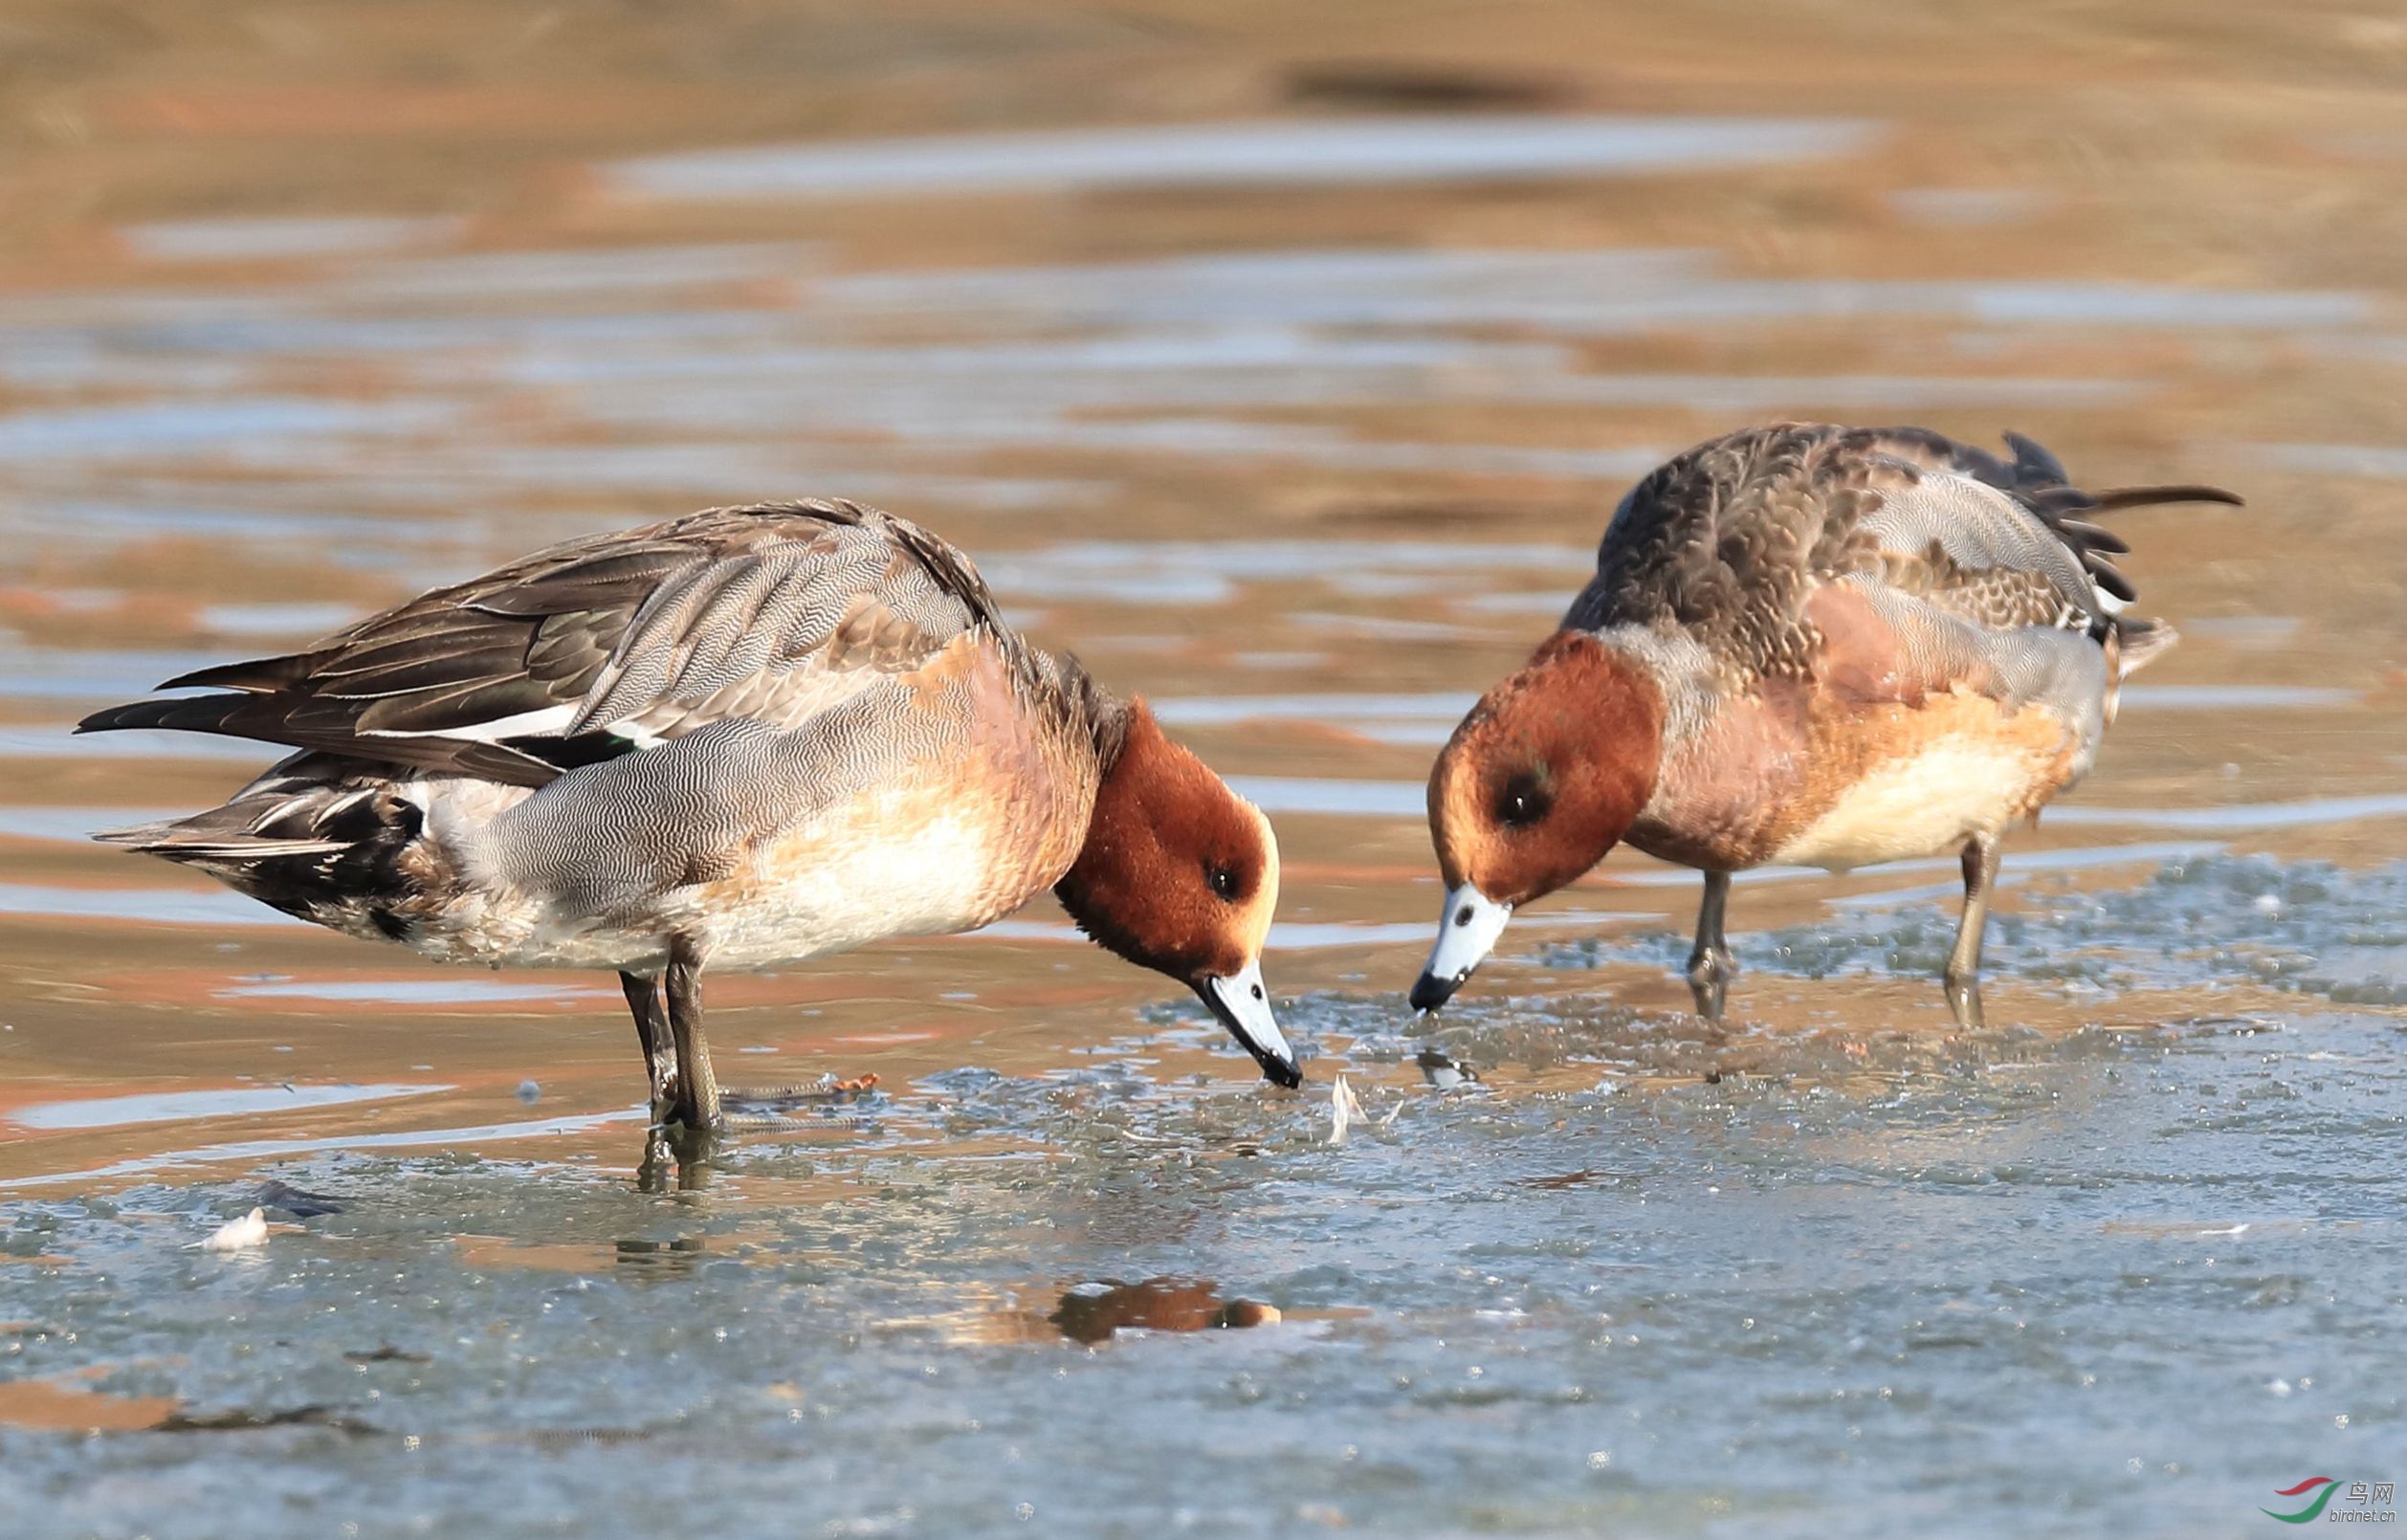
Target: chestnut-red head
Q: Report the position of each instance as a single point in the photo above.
(1181, 874)
(1544, 777)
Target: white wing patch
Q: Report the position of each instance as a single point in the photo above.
(544, 723)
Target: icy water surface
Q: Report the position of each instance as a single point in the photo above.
(1292, 386)
(2150, 1261)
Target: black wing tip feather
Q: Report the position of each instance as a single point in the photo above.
(2114, 498)
(2036, 470)
(2034, 462)
(134, 837)
(204, 714)
(252, 675)
(2037, 479)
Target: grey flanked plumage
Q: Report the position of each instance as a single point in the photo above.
(748, 737)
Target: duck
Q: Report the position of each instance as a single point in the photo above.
(740, 740)
(1804, 645)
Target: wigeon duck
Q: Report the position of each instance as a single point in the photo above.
(1809, 644)
(742, 738)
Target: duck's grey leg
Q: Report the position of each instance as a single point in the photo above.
(697, 1103)
(1962, 977)
(659, 1045)
(1710, 966)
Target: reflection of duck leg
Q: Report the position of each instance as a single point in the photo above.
(651, 1170)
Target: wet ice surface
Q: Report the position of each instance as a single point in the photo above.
(2202, 919)
(1743, 1281)
(1901, 1282)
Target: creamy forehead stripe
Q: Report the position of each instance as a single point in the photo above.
(1266, 899)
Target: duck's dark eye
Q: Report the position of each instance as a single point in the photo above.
(1224, 881)
(1523, 801)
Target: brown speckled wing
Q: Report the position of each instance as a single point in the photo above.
(1973, 551)
(1730, 543)
(1724, 543)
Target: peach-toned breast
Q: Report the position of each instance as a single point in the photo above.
(1891, 781)
(1726, 795)
(949, 840)
(1805, 776)
(1896, 746)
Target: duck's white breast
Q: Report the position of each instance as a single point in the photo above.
(884, 865)
(1927, 802)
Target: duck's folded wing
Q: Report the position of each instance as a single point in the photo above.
(608, 643)
(1974, 551)
(2037, 482)
(1977, 586)
(1728, 541)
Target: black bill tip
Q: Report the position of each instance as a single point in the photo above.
(1430, 991)
(1276, 1070)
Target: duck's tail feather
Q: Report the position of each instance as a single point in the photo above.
(2131, 644)
(2114, 498)
(316, 837)
(2039, 481)
(182, 841)
(2139, 643)
(2034, 463)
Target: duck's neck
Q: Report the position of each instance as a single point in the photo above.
(1130, 753)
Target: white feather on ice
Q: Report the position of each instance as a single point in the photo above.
(239, 1235)
(1344, 1110)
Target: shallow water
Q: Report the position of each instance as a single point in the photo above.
(1164, 324)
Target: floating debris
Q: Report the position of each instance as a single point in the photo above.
(1381, 86)
(239, 1235)
(1564, 1180)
